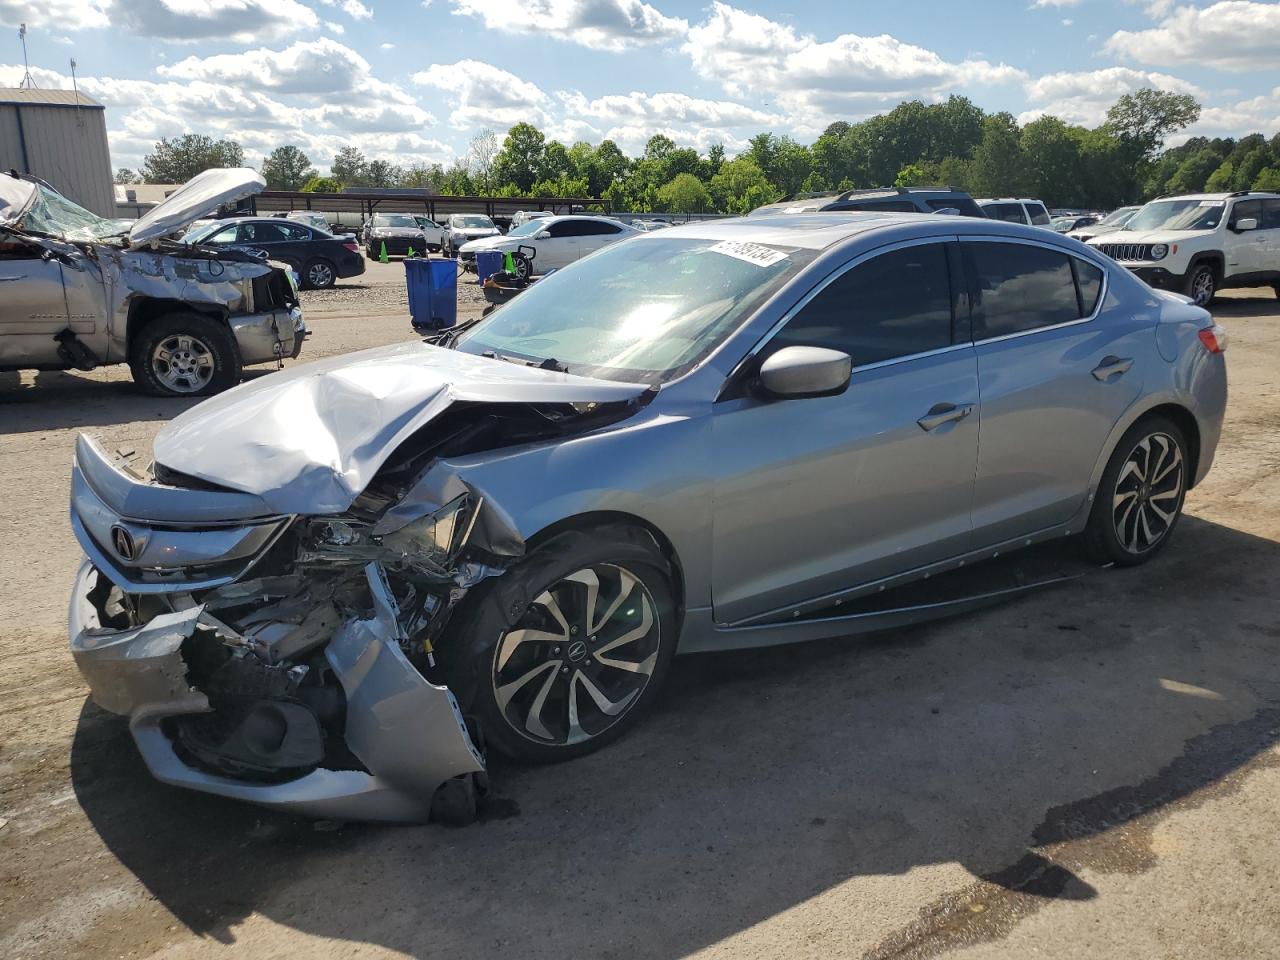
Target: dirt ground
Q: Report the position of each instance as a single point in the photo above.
(1091, 771)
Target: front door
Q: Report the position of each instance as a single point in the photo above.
(816, 495)
(33, 309)
(1057, 370)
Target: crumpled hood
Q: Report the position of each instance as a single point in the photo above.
(202, 194)
(309, 439)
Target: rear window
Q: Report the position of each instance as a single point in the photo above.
(1008, 212)
(1039, 215)
(1018, 287)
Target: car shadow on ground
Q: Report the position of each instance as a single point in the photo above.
(1011, 742)
(1258, 303)
(63, 399)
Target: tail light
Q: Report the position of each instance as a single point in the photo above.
(352, 246)
(1214, 338)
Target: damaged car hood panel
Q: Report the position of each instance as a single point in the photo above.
(202, 194)
(309, 439)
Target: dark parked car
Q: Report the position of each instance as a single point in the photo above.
(319, 258)
(883, 199)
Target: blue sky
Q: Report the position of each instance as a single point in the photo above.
(413, 82)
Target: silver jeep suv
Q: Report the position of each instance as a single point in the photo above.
(78, 292)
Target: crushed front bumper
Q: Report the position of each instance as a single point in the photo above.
(407, 733)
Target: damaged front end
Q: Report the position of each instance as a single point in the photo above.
(284, 660)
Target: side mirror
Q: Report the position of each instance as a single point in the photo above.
(1246, 223)
(543, 235)
(795, 372)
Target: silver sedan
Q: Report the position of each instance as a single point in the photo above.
(336, 584)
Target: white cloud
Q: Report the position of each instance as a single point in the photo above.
(1055, 3)
(846, 77)
(140, 112)
(1067, 21)
(1084, 97)
(485, 95)
(337, 28)
(190, 21)
(63, 14)
(1256, 114)
(314, 67)
(601, 24)
(631, 138)
(1234, 35)
(352, 8)
(386, 46)
(660, 108)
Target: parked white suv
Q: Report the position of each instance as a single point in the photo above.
(1016, 210)
(1202, 242)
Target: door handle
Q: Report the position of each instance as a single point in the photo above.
(1111, 367)
(941, 413)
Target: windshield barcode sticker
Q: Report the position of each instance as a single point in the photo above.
(1212, 203)
(750, 252)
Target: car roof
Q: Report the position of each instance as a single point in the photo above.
(1009, 200)
(1237, 195)
(817, 231)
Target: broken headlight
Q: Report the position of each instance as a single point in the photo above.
(429, 544)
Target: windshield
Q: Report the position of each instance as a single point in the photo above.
(642, 311)
(1062, 226)
(483, 223)
(54, 215)
(527, 229)
(395, 220)
(1178, 215)
(1117, 218)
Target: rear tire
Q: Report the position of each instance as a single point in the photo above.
(319, 274)
(1140, 495)
(1202, 284)
(184, 355)
(543, 680)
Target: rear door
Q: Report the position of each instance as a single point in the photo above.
(1057, 367)
(562, 247)
(816, 495)
(599, 234)
(33, 307)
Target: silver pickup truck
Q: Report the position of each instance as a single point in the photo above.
(77, 291)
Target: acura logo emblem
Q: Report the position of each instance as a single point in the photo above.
(122, 540)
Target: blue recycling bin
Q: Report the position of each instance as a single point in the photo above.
(488, 262)
(433, 292)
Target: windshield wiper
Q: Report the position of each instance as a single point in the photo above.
(550, 363)
(449, 336)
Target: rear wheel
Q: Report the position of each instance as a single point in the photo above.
(567, 650)
(184, 355)
(319, 274)
(1202, 284)
(1140, 497)
(523, 265)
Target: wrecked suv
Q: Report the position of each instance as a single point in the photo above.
(333, 589)
(77, 293)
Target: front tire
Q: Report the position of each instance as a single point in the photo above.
(1140, 496)
(184, 355)
(567, 650)
(1202, 284)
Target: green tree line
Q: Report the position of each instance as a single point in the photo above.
(954, 142)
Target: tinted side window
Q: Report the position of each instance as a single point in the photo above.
(1089, 280)
(1271, 215)
(223, 236)
(295, 232)
(1245, 209)
(1039, 215)
(568, 228)
(1018, 287)
(1009, 212)
(894, 305)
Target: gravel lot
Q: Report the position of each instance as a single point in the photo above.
(1088, 772)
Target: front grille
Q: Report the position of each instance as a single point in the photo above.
(1126, 251)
